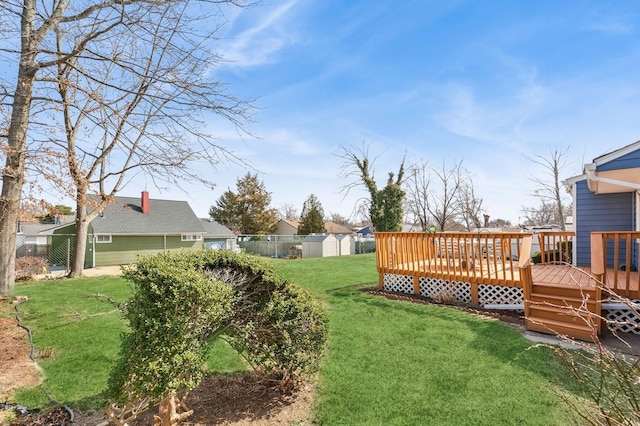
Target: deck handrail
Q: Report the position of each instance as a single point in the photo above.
(619, 252)
(556, 246)
(483, 257)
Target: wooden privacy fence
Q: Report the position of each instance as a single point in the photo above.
(473, 257)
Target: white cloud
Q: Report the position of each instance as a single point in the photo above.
(613, 25)
(259, 43)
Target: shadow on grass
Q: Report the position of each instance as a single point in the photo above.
(496, 338)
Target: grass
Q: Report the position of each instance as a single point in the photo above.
(388, 362)
(393, 362)
(80, 330)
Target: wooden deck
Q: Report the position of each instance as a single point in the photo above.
(558, 274)
(553, 290)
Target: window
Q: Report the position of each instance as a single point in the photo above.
(191, 237)
(103, 238)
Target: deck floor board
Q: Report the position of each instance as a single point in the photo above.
(565, 275)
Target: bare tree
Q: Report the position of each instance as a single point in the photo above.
(289, 212)
(106, 90)
(434, 193)
(384, 205)
(548, 186)
(339, 219)
(417, 199)
(545, 214)
(469, 206)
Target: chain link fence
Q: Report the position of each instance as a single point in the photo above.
(290, 246)
(55, 250)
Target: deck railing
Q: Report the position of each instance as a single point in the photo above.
(556, 246)
(477, 257)
(615, 258)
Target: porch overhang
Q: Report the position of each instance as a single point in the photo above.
(612, 181)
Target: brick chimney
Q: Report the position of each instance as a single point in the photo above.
(144, 203)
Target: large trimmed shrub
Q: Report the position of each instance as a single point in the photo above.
(183, 300)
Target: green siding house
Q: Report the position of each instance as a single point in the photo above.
(218, 236)
(131, 227)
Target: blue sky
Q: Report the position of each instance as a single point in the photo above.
(485, 82)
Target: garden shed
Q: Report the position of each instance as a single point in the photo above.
(346, 245)
(322, 245)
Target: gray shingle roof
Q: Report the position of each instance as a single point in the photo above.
(125, 216)
(214, 229)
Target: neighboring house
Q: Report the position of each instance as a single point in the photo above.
(334, 228)
(605, 198)
(30, 241)
(218, 236)
(130, 227)
(287, 227)
(366, 232)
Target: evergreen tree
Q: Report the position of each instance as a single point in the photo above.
(246, 211)
(312, 218)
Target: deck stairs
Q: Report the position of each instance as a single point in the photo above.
(570, 310)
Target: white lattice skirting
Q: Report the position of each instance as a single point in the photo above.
(624, 320)
(499, 294)
(434, 288)
(459, 290)
(398, 283)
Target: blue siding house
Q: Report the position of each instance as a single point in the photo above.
(605, 198)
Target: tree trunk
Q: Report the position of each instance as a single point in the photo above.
(13, 173)
(80, 245)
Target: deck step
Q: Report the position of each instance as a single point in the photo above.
(561, 301)
(563, 290)
(546, 312)
(549, 326)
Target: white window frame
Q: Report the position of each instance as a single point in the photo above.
(103, 239)
(191, 237)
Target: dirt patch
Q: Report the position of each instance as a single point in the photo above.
(17, 369)
(236, 400)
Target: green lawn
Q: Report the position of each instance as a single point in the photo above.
(388, 362)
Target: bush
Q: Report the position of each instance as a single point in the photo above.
(27, 267)
(182, 300)
(550, 256)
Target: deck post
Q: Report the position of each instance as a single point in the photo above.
(524, 265)
(474, 291)
(416, 284)
(597, 257)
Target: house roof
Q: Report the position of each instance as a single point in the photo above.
(615, 154)
(334, 228)
(616, 171)
(125, 216)
(367, 230)
(35, 228)
(214, 229)
(291, 222)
